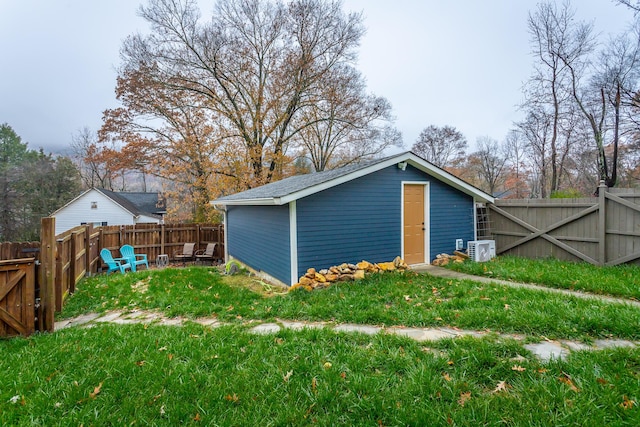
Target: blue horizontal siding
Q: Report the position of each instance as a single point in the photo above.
(259, 237)
(357, 220)
(451, 216)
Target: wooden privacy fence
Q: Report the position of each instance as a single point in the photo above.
(603, 230)
(36, 277)
(157, 239)
(17, 297)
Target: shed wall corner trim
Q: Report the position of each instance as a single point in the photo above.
(293, 242)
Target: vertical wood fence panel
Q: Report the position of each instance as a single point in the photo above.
(59, 262)
(17, 297)
(603, 230)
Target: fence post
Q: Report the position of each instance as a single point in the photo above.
(73, 259)
(162, 239)
(88, 231)
(99, 249)
(48, 271)
(602, 223)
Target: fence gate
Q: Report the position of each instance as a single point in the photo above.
(17, 297)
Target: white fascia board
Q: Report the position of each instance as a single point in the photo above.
(450, 179)
(248, 202)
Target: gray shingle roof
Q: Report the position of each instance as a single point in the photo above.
(138, 203)
(294, 187)
(297, 183)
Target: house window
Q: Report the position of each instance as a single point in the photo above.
(94, 205)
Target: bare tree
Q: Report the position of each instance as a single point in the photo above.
(94, 171)
(517, 155)
(633, 5)
(443, 146)
(491, 162)
(346, 124)
(561, 48)
(536, 129)
(256, 66)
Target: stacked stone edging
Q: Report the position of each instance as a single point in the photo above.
(314, 279)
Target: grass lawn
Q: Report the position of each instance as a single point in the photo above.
(384, 299)
(194, 375)
(132, 375)
(620, 281)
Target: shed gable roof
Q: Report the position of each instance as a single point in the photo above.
(296, 187)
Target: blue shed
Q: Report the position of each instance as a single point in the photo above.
(374, 211)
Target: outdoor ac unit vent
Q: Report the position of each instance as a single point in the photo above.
(482, 250)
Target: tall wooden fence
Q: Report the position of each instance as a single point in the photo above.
(36, 277)
(17, 297)
(603, 230)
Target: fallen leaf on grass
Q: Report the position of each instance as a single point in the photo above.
(464, 397)
(286, 376)
(197, 417)
(232, 398)
(518, 368)
(602, 381)
(314, 385)
(446, 376)
(96, 391)
(627, 403)
(502, 386)
(507, 307)
(140, 362)
(567, 380)
(170, 356)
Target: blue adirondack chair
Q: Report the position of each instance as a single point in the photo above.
(134, 259)
(114, 264)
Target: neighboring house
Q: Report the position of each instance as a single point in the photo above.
(98, 206)
(374, 211)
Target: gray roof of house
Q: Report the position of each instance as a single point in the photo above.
(297, 183)
(138, 203)
(291, 188)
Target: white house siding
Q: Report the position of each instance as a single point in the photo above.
(79, 211)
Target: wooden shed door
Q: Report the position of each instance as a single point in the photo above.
(414, 223)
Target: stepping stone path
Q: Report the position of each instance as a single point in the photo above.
(544, 350)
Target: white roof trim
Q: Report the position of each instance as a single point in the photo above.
(115, 202)
(410, 158)
(70, 202)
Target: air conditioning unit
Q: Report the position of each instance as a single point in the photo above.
(482, 250)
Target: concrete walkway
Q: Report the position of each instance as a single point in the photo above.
(435, 271)
(544, 350)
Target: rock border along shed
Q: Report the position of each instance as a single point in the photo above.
(374, 211)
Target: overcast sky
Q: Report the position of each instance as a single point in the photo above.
(460, 63)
